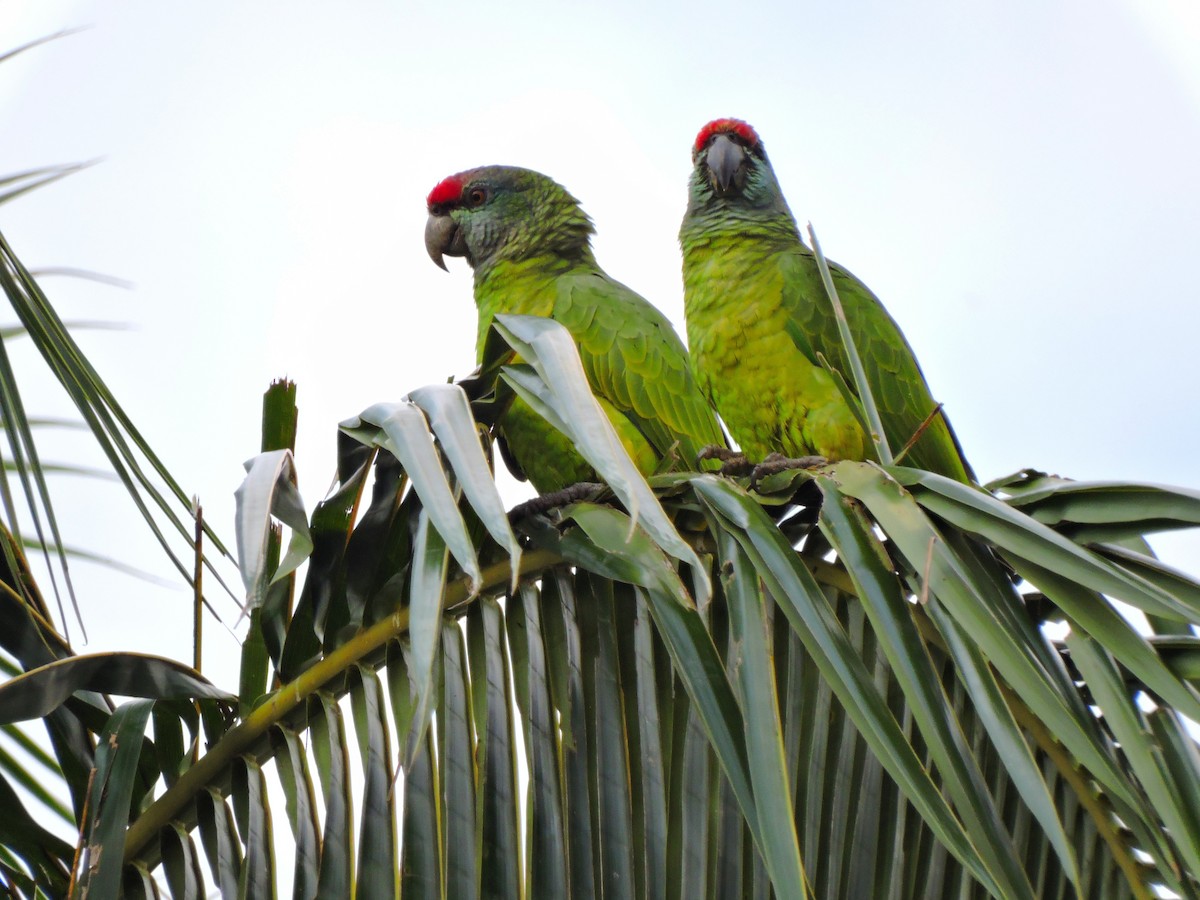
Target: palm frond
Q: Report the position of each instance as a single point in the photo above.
(877, 714)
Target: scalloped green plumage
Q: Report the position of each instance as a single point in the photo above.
(529, 245)
(751, 286)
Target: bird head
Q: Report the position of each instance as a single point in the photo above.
(503, 212)
(722, 153)
(730, 169)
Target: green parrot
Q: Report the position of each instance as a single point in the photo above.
(758, 316)
(529, 244)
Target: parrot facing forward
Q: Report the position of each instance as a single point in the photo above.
(758, 316)
(529, 244)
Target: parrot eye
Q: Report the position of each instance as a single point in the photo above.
(476, 196)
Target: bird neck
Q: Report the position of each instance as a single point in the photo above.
(709, 229)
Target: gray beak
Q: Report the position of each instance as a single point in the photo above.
(725, 159)
(442, 238)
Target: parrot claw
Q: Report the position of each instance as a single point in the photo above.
(777, 462)
(584, 490)
(733, 463)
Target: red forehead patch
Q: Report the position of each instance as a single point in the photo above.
(726, 126)
(448, 190)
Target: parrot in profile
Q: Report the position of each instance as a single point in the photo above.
(758, 316)
(529, 244)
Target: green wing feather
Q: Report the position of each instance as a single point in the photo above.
(897, 384)
(634, 360)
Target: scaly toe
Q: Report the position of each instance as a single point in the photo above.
(584, 490)
(732, 462)
(777, 462)
(716, 451)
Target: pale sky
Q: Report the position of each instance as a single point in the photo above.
(1017, 181)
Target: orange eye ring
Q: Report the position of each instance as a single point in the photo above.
(476, 196)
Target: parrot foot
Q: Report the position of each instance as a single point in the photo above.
(777, 462)
(584, 490)
(732, 462)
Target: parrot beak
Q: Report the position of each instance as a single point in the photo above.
(443, 238)
(725, 164)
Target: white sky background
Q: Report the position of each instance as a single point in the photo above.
(1018, 181)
